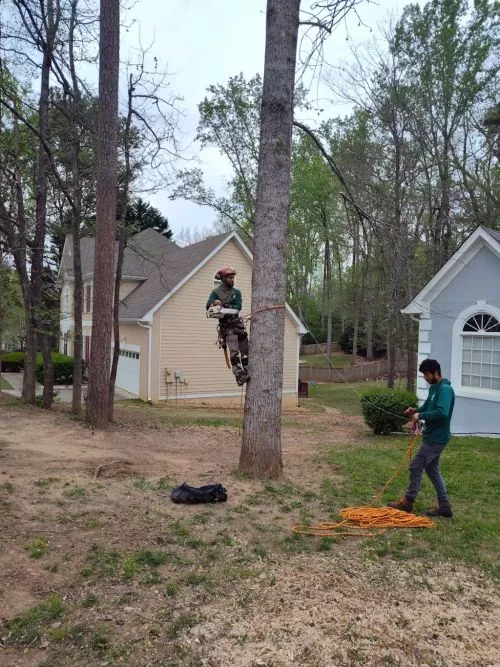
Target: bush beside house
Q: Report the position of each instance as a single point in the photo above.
(383, 409)
(13, 362)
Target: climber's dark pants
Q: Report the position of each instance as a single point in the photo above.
(233, 334)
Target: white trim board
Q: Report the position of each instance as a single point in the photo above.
(221, 394)
(480, 238)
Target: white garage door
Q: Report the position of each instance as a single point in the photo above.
(129, 368)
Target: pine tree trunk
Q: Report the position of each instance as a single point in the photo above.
(41, 186)
(116, 328)
(104, 265)
(261, 446)
(76, 406)
(121, 251)
(29, 381)
(48, 373)
(369, 333)
(391, 342)
(329, 303)
(76, 222)
(368, 307)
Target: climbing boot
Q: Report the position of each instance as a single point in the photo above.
(404, 505)
(241, 376)
(442, 509)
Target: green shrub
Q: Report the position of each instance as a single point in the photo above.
(383, 409)
(12, 362)
(63, 368)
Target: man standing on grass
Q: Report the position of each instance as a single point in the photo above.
(436, 412)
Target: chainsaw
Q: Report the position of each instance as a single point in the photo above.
(218, 312)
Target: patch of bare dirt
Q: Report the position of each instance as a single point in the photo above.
(231, 590)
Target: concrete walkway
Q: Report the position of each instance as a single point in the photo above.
(64, 392)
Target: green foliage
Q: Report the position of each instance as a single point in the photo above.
(37, 547)
(63, 368)
(12, 362)
(27, 628)
(141, 215)
(383, 409)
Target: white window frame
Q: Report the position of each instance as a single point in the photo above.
(457, 353)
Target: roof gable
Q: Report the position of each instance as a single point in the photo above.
(203, 260)
(160, 266)
(480, 238)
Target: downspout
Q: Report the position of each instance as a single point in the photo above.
(147, 325)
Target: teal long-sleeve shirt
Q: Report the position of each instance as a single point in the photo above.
(235, 300)
(437, 412)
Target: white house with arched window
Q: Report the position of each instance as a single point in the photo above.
(459, 325)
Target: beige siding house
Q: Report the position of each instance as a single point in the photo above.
(168, 349)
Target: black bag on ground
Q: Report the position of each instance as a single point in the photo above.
(211, 493)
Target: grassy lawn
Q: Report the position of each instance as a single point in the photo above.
(339, 360)
(344, 397)
(470, 466)
(4, 384)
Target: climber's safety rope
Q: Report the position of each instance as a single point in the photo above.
(371, 521)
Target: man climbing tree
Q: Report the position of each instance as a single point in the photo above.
(231, 329)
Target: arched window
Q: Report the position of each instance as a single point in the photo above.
(481, 352)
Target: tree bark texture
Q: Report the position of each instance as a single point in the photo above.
(38, 251)
(261, 446)
(48, 373)
(76, 222)
(76, 406)
(121, 251)
(116, 327)
(104, 264)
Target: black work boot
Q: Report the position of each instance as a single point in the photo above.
(241, 376)
(404, 505)
(441, 509)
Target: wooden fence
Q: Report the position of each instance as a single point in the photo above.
(356, 373)
(318, 348)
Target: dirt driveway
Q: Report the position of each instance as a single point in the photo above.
(98, 567)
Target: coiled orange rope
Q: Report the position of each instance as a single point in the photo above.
(369, 521)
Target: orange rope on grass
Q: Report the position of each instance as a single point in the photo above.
(369, 521)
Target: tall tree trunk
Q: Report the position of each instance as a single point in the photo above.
(121, 251)
(328, 283)
(76, 406)
(369, 330)
(355, 332)
(116, 327)
(48, 372)
(41, 185)
(76, 223)
(391, 342)
(261, 446)
(104, 265)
